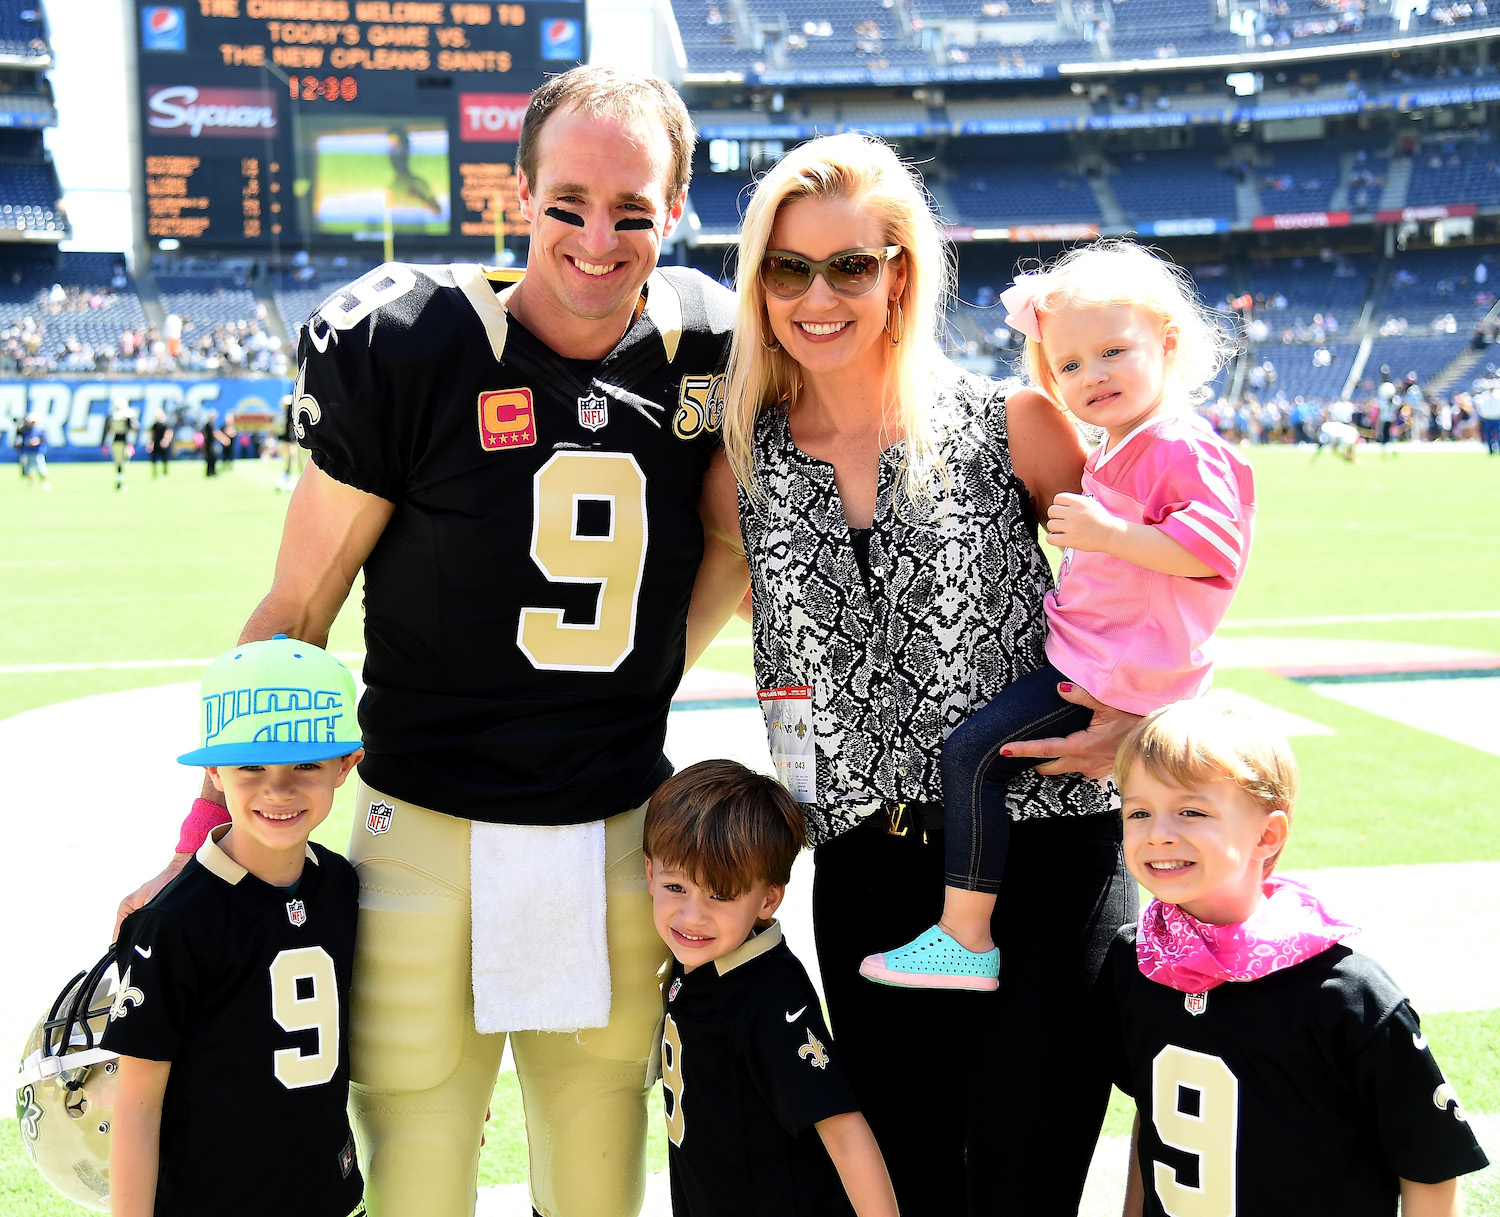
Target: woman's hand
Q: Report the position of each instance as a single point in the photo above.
(1091, 751)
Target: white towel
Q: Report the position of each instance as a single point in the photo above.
(541, 952)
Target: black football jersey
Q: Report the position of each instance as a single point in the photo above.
(748, 1068)
(244, 988)
(525, 608)
(1307, 1093)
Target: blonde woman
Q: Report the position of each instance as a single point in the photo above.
(887, 504)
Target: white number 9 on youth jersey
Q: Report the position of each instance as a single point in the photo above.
(305, 997)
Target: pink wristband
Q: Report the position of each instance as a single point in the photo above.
(205, 816)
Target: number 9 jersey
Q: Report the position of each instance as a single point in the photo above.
(526, 605)
(244, 988)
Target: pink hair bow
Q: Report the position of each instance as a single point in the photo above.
(1020, 304)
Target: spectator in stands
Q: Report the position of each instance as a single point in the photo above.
(842, 410)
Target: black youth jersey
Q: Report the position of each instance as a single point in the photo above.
(748, 1068)
(525, 608)
(1307, 1093)
(245, 990)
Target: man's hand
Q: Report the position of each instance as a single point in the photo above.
(144, 894)
(1078, 521)
(1091, 751)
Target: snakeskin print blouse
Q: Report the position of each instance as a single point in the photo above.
(952, 614)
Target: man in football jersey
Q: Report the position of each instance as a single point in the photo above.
(234, 981)
(1273, 1068)
(121, 424)
(759, 1112)
(516, 467)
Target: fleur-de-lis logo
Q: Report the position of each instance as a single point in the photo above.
(813, 1050)
(128, 996)
(28, 1113)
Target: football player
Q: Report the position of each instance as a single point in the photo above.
(234, 981)
(759, 1112)
(1273, 1069)
(516, 467)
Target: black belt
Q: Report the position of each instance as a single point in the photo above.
(901, 818)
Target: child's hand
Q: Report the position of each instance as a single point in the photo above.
(1078, 521)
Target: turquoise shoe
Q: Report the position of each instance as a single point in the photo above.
(935, 960)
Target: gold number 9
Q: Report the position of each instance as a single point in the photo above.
(318, 1011)
(613, 562)
(671, 1079)
(1211, 1135)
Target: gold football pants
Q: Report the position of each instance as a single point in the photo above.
(423, 1076)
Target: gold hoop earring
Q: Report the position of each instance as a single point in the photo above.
(895, 324)
(772, 345)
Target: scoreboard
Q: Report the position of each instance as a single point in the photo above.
(291, 122)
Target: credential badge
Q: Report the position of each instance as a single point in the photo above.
(1195, 1003)
(296, 912)
(593, 411)
(379, 819)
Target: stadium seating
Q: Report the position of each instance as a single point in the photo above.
(1456, 170)
(23, 31)
(996, 191)
(1297, 177)
(1167, 185)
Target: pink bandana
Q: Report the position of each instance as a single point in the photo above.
(1175, 949)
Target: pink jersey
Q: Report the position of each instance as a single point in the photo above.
(1133, 637)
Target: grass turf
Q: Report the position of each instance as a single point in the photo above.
(170, 570)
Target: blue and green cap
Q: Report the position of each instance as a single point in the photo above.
(279, 702)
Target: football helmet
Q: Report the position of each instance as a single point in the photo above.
(65, 1092)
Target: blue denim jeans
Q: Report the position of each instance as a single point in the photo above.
(976, 825)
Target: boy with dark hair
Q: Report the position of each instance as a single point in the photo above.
(234, 980)
(748, 1065)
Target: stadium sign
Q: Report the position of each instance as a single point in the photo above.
(1416, 215)
(1300, 220)
(1182, 228)
(189, 110)
(73, 411)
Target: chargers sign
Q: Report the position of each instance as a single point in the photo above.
(72, 412)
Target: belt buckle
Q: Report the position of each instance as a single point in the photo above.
(896, 812)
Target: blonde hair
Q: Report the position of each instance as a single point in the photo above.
(1114, 272)
(1192, 742)
(601, 92)
(865, 172)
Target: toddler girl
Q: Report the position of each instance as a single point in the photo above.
(1153, 550)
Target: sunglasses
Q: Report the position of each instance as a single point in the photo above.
(855, 272)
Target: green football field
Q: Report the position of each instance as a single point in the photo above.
(103, 592)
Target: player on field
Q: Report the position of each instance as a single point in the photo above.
(1274, 1070)
(755, 1095)
(234, 980)
(1153, 550)
(516, 466)
(119, 427)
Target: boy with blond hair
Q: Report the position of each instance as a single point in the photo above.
(1273, 1068)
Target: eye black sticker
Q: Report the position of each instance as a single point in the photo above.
(634, 224)
(567, 217)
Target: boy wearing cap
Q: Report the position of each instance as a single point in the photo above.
(234, 980)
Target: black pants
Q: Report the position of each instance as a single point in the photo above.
(1009, 1082)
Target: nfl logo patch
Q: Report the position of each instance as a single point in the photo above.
(593, 411)
(1196, 1003)
(296, 912)
(379, 819)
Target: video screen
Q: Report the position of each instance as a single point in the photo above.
(363, 169)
